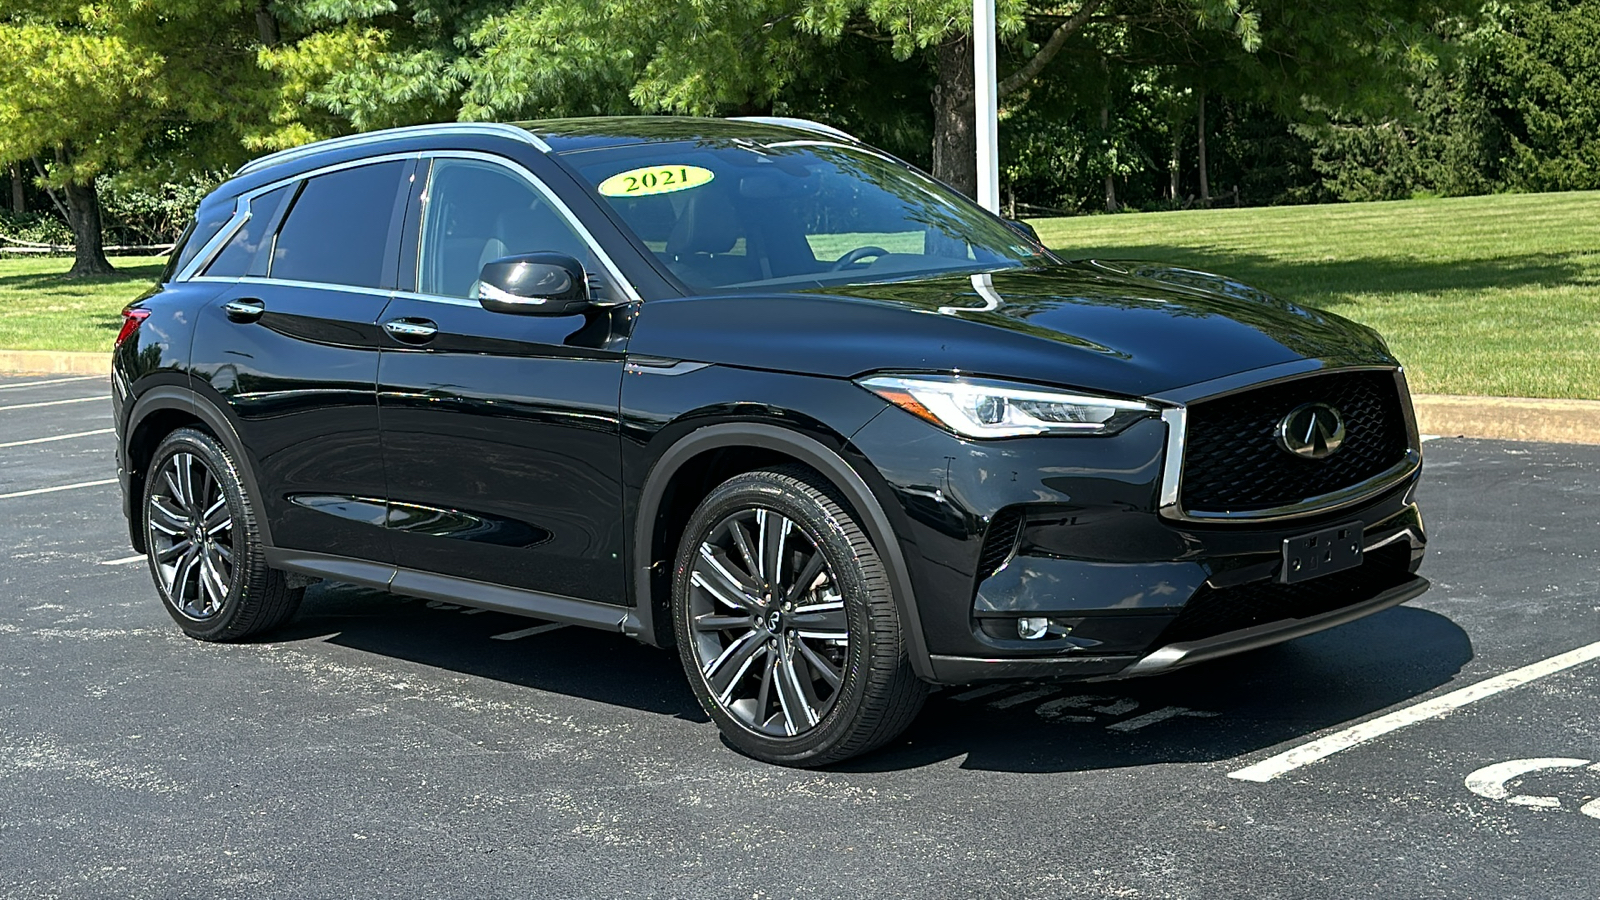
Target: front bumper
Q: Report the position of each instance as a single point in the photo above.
(1084, 544)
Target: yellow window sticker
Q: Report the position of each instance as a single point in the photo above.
(655, 180)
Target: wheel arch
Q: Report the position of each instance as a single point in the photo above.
(157, 413)
(669, 495)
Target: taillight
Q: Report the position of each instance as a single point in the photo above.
(131, 320)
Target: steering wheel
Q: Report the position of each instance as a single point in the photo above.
(857, 255)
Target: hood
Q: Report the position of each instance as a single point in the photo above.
(1126, 328)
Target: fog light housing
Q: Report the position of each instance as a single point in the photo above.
(1031, 628)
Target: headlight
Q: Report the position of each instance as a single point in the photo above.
(979, 408)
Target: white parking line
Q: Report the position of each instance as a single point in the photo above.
(59, 487)
(34, 384)
(1268, 769)
(123, 561)
(100, 399)
(526, 632)
(59, 437)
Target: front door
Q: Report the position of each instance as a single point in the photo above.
(500, 432)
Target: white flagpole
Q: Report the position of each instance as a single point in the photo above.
(987, 103)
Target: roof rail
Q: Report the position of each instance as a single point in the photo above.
(391, 134)
(803, 124)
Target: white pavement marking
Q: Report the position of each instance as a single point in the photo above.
(123, 561)
(1024, 697)
(1490, 781)
(1054, 710)
(59, 437)
(1271, 768)
(1160, 715)
(526, 632)
(34, 384)
(100, 399)
(59, 487)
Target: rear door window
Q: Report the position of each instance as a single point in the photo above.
(340, 228)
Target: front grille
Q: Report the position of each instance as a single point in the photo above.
(1232, 462)
(999, 541)
(1214, 611)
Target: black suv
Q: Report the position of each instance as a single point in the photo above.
(755, 390)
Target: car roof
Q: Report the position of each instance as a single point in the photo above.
(571, 135)
(564, 135)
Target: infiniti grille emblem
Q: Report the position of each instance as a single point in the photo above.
(1312, 431)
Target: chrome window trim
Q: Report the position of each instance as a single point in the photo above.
(1333, 501)
(314, 285)
(483, 129)
(241, 210)
(612, 270)
(241, 215)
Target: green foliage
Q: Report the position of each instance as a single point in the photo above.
(357, 65)
(141, 213)
(95, 88)
(35, 227)
(1546, 81)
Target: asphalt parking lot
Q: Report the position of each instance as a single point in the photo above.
(381, 747)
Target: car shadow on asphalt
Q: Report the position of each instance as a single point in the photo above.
(1208, 713)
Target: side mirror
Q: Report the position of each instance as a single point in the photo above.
(534, 284)
(1025, 228)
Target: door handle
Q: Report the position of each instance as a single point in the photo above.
(411, 331)
(244, 309)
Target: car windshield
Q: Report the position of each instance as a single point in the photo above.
(795, 214)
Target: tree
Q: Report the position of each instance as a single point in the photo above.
(90, 89)
(898, 72)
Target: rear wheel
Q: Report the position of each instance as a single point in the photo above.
(786, 624)
(203, 545)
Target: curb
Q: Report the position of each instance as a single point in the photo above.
(1499, 418)
(1509, 418)
(53, 362)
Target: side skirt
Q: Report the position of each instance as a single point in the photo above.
(433, 586)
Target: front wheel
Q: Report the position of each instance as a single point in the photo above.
(203, 544)
(786, 624)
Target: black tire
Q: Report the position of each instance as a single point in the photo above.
(826, 640)
(209, 569)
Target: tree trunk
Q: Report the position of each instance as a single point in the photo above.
(1205, 173)
(1175, 166)
(955, 137)
(19, 190)
(267, 24)
(83, 214)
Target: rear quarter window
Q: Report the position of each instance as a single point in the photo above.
(202, 228)
(245, 252)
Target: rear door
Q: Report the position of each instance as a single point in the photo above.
(500, 432)
(291, 349)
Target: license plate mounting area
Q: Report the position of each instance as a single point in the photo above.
(1319, 553)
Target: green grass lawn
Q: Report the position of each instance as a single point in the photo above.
(40, 310)
(1479, 295)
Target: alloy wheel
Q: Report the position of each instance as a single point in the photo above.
(768, 624)
(191, 536)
